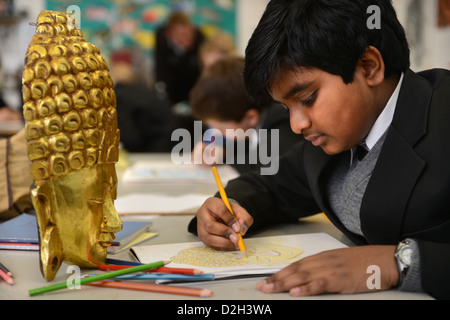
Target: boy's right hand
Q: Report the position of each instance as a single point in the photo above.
(217, 227)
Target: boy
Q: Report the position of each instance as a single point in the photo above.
(348, 86)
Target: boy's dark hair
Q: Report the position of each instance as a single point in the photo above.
(330, 35)
(220, 92)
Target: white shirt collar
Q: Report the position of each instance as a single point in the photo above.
(383, 121)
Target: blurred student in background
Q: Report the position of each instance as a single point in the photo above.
(176, 57)
(219, 99)
(177, 66)
(218, 46)
(144, 120)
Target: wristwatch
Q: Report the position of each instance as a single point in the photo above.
(403, 257)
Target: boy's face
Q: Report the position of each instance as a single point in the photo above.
(331, 114)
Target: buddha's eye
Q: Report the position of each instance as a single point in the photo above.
(95, 203)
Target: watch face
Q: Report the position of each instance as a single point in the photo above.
(406, 255)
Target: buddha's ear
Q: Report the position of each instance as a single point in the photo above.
(50, 247)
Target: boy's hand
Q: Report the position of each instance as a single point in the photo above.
(335, 271)
(217, 227)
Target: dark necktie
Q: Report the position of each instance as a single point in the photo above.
(361, 151)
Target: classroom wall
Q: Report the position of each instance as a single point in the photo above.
(430, 45)
(248, 15)
(14, 40)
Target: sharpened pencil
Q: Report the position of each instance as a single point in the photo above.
(227, 203)
(153, 288)
(100, 277)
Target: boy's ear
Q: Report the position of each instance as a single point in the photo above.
(373, 66)
(251, 118)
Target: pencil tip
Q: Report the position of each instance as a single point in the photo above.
(206, 293)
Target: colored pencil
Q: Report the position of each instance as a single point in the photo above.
(5, 277)
(153, 288)
(167, 277)
(227, 203)
(6, 270)
(122, 262)
(159, 270)
(100, 277)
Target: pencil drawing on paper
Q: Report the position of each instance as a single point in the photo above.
(270, 252)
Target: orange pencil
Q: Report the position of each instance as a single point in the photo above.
(227, 203)
(153, 288)
(7, 278)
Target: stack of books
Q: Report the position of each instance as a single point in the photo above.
(21, 233)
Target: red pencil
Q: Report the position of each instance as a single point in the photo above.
(179, 270)
(7, 278)
(162, 269)
(153, 288)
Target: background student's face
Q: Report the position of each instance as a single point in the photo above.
(250, 120)
(331, 114)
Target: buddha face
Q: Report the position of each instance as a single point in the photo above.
(73, 144)
(81, 205)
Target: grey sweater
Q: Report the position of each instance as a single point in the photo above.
(346, 189)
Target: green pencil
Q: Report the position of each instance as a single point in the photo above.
(109, 275)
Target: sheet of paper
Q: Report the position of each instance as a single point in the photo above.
(266, 253)
(151, 203)
(168, 173)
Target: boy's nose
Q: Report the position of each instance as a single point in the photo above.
(299, 121)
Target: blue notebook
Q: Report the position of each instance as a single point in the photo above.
(23, 230)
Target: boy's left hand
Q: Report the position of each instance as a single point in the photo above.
(335, 271)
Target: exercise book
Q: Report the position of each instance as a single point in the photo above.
(264, 254)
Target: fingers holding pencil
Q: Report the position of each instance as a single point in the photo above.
(220, 225)
(215, 224)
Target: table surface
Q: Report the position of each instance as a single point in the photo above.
(170, 229)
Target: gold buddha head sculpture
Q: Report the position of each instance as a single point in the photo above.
(73, 145)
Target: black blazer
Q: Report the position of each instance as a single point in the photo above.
(408, 195)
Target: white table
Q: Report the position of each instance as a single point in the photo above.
(171, 229)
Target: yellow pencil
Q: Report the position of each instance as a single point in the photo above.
(227, 203)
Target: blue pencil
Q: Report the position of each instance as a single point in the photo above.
(166, 277)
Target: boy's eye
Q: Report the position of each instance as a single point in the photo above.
(310, 100)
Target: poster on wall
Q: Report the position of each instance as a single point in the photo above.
(116, 24)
